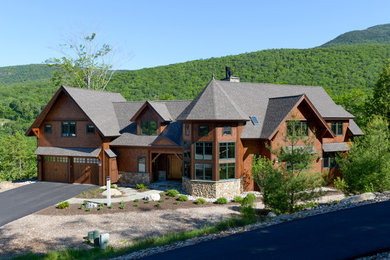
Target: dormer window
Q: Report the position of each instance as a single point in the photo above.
(337, 127)
(149, 127)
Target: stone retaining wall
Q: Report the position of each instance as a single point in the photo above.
(133, 178)
(212, 189)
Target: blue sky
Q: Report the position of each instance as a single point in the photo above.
(152, 33)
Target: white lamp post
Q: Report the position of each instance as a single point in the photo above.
(108, 191)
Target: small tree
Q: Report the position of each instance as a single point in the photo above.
(367, 164)
(289, 181)
(85, 64)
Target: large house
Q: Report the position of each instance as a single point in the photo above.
(208, 143)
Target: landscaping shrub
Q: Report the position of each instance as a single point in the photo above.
(111, 206)
(157, 205)
(63, 205)
(341, 185)
(249, 200)
(200, 201)
(81, 206)
(135, 205)
(141, 187)
(136, 200)
(221, 200)
(175, 203)
(238, 199)
(182, 198)
(172, 193)
(122, 205)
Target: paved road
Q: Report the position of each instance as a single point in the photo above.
(338, 235)
(27, 199)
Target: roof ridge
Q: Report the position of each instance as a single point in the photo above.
(92, 90)
(236, 107)
(292, 96)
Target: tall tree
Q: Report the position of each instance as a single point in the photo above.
(85, 64)
(381, 96)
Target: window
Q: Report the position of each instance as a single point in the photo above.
(187, 130)
(90, 129)
(203, 171)
(329, 160)
(141, 164)
(49, 159)
(78, 160)
(203, 130)
(68, 129)
(148, 127)
(62, 159)
(187, 169)
(187, 150)
(299, 128)
(227, 130)
(47, 129)
(337, 127)
(203, 151)
(227, 171)
(254, 120)
(227, 150)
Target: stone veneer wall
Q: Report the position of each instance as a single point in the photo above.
(213, 189)
(134, 178)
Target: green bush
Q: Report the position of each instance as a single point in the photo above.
(341, 184)
(249, 200)
(175, 203)
(238, 199)
(172, 193)
(221, 200)
(182, 198)
(63, 205)
(141, 186)
(111, 206)
(136, 200)
(135, 205)
(157, 205)
(122, 205)
(200, 201)
(81, 206)
(248, 212)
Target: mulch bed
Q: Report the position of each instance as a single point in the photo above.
(169, 204)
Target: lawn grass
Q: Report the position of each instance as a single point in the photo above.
(232, 222)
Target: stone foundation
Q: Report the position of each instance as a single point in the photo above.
(212, 189)
(132, 178)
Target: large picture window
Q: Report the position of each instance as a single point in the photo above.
(149, 127)
(299, 128)
(227, 150)
(203, 171)
(329, 160)
(141, 164)
(337, 127)
(68, 129)
(204, 151)
(227, 171)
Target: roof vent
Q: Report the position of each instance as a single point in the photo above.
(254, 120)
(229, 75)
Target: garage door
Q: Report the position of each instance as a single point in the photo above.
(86, 170)
(56, 169)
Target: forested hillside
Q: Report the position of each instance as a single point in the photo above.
(374, 34)
(337, 69)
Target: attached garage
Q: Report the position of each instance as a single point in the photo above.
(73, 165)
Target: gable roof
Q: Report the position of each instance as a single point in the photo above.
(97, 106)
(213, 103)
(159, 108)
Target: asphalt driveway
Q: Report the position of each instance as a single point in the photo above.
(27, 199)
(343, 234)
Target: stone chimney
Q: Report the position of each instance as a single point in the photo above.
(229, 76)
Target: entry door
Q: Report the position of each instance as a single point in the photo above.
(175, 167)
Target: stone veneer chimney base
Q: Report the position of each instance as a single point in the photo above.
(213, 189)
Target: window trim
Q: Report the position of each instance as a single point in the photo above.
(302, 123)
(87, 127)
(203, 151)
(138, 163)
(227, 170)
(149, 132)
(187, 130)
(203, 164)
(68, 134)
(332, 164)
(338, 125)
(208, 130)
(227, 150)
(49, 128)
(227, 127)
